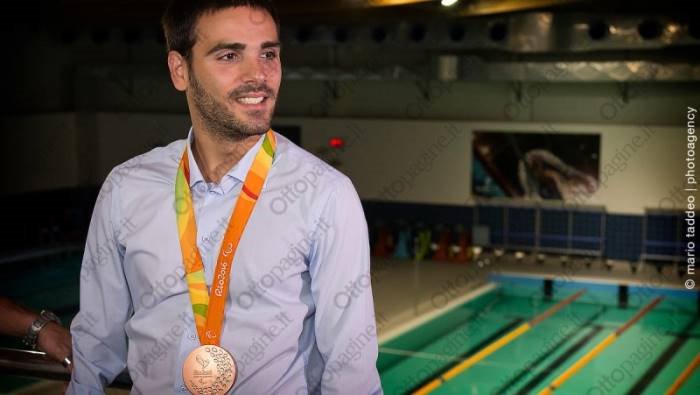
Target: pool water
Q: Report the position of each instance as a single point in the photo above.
(647, 358)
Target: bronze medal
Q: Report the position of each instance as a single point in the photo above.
(209, 370)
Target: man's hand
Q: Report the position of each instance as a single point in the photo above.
(55, 341)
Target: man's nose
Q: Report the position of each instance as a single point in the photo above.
(253, 70)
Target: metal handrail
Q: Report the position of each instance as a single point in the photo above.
(37, 364)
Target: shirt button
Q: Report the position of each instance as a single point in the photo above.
(192, 336)
(182, 388)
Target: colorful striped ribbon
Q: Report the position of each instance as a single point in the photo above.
(208, 308)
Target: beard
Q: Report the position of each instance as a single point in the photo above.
(223, 123)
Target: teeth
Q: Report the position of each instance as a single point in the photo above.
(251, 100)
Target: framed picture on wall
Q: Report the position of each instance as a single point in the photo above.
(537, 166)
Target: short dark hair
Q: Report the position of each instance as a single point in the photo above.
(181, 17)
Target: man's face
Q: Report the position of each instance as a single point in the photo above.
(235, 71)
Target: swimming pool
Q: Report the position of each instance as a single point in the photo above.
(647, 358)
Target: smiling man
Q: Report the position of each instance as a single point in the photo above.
(245, 262)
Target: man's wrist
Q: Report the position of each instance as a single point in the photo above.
(45, 317)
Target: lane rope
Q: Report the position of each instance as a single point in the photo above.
(496, 345)
(685, 375)
(610, 339)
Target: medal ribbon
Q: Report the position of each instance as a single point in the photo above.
(209, 309)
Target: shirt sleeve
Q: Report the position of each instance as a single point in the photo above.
(99, 338)
(339, 267)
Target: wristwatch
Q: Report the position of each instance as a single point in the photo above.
(44, 318)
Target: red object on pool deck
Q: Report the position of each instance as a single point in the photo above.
(336, 142)
(384, 245)
(443, 245)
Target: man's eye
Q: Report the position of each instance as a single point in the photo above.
(270, 55)
(229, 56)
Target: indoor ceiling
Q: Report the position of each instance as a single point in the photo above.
(143, 12)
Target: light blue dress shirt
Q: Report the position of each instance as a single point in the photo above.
(299, 314)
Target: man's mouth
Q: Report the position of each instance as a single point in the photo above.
(251, 100)
(252, 97)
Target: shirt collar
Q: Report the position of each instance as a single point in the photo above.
(237, 173)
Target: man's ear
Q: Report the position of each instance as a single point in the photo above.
(178, 70)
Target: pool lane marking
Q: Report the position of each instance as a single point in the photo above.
(566, 354)
(663, 359)
(484, 310)
(525, 369)
(494, 346)
(532, 384)
(430, 356)
(471, 351)
(685, 375)
(418, 354)
(610, 339)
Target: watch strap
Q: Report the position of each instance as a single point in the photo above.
(39, 323)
